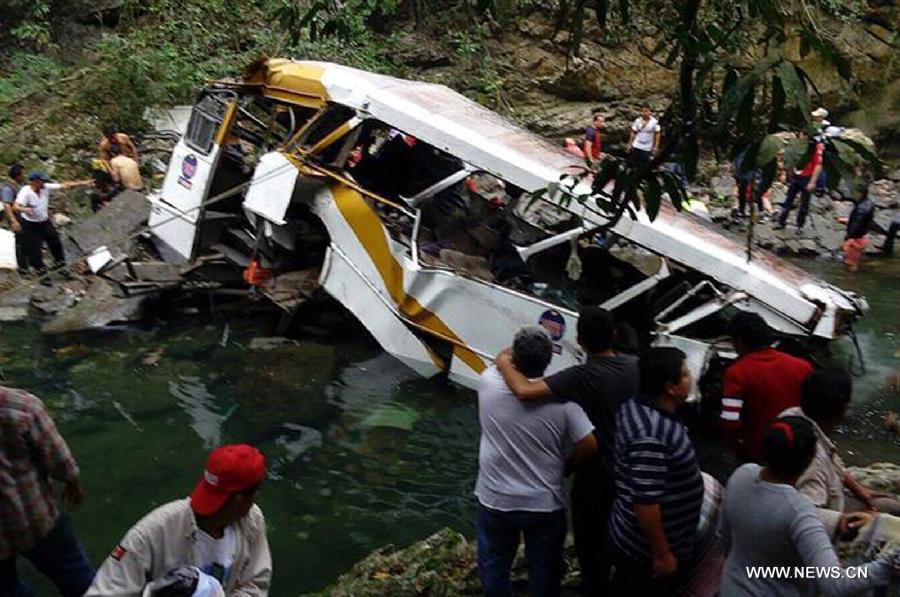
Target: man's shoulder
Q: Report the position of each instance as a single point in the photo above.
(165, 515)
(19, 400)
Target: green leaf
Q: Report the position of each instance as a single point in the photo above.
(861, 149)
(795, 91)
(652, 197)
(676, 193)
(768, 150)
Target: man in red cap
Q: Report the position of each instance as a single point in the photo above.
(218, 529)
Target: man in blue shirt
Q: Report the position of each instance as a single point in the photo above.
(8, 192)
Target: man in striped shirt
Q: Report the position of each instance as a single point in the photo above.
(659, 489)
(31, 453)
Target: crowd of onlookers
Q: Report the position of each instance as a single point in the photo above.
(646, 521)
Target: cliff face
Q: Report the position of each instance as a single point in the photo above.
(520, 68)
(555, 96)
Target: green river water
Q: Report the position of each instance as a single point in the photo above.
(361, 452)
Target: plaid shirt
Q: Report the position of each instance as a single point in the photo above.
(31, 451)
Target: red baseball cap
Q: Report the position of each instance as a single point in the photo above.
(229, 470)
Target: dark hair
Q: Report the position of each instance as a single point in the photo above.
(597, 115)
(596, 329)
(532, 350)
(751, 329)
(660, 365)
(824, 394)
(115, 149)
(789, 446)
(109, 130)
(15, 171)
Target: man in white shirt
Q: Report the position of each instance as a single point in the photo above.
(33, 202)
(219, 530)
(521, 460)
(643, 143)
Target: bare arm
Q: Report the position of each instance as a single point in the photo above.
(630, 137)
(525, 389)
(11, 216)
(814, 177)
(656, 137)
(72, 184)
(585, 450)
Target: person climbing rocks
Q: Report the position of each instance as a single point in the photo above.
(124, 169)
(112, 135)
(803, 181)
(857, 237)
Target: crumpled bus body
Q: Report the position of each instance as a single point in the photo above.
(412, 205)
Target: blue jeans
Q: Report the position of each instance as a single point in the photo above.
(797, 185)
(59, 556)
(498, 540)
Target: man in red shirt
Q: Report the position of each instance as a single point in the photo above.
(803, 181)
(758, 386)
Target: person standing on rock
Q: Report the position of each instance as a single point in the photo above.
(643, 142)
(761, 383)
(659, 488)
(32, 452)
(33, 202)
(857, 237)
(219, 530)
(599, 385)
(522, 456)
(592, 137)
(8, 192)
(803, 181)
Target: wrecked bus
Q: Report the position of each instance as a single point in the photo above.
(410, 205)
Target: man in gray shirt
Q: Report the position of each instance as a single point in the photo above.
(522, 458)
(8, 192)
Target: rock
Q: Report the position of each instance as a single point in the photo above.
(582, 82)
(61, 220)
(126, 213)
(271, 343)
(722, 186)
(882, 220)
(884, 194)
(97, 308)
(444, 565)
(777, 193)
(880, 476)
(808, 246)
(50, 300)
(894, 175)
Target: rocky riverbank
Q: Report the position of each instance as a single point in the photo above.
(825, 227)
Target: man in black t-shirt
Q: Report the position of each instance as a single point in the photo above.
(603, 382)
